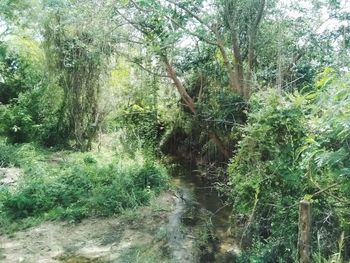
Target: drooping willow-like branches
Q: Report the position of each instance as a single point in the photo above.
(77, 59)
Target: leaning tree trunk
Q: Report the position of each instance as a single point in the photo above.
(191, 105)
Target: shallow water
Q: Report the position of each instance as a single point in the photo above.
(216, 213)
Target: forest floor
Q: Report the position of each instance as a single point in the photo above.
(142, 235)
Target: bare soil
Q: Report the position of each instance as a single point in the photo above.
(103, 239)
(9, 176)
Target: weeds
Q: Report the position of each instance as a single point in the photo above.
(7, 155)
(81, 186)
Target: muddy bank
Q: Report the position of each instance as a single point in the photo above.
(150, 234)
(189, 223)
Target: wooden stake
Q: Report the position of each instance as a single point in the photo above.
(304, 237)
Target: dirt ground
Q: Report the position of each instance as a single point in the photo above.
(119, 239)
(171, 229)
(9, 176)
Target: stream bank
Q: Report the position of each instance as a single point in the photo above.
(188, 223)
(139, 235)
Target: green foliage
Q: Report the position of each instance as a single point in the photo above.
(138, 115)
(81, 187)
(78, 57)
(8, 156)
(10, 9)
(26, 107)
(20, 67)
(19, 155)
(266, 184)
(222, 109)
(29, 117)
(17, 122)
(325, 155)
(293, 146)
(141, 125)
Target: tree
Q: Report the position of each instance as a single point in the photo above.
(233, 30)
(78, 52)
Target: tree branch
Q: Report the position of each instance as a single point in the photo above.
(200, 37)
(180, 88)
(148, 70)
(192, 14)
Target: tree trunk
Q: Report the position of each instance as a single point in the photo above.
(251, 48)
(237, 64)
(219, 143)
(178, 84)
(191, 105)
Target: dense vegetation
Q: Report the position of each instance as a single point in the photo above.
(73, 186)
(294, 146)
(255, 92)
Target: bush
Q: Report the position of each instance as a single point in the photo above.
(266, 183)
(19, 154)
(326, 160)
(83, 188)
(8, 156)
(141, 125)
(293, 147)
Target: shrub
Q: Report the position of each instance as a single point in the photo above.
(326, 160)
(8, 156)
(83, 188)
(266, 184)
(19, 154)
(293, 146)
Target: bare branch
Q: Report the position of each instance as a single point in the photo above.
(325, 189)
(138, 7)
(132, 23)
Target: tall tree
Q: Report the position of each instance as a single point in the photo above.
(78, 51)
(158, 23)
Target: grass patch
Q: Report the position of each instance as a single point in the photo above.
(82, 185)
(8, 155)
(21, 155)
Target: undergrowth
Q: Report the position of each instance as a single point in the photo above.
(294, 146)
(73, 186)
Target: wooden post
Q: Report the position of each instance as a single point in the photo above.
(304, 237)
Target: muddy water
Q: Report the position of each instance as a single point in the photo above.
(206, 203)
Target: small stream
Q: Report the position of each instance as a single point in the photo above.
(206, 214)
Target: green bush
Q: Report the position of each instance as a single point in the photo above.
(8, 156)
(141, 124)
(17, 124)
(24, 104)
(326, 160)
(266, 183)
(294, 146)
(20, 66)
(83, 188)
(19, 154)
